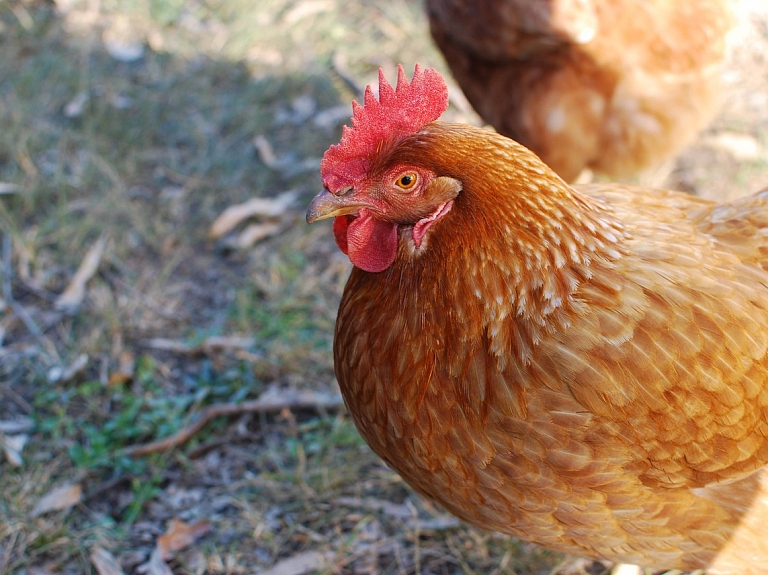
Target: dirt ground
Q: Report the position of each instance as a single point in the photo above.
(156, 159)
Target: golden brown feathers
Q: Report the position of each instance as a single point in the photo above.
(584, 368)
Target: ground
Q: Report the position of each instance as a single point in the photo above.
(126, 130)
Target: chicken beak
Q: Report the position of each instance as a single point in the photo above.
(327, 205)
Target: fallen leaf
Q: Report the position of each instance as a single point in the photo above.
(61, 374)
(300, 564)
(179, 536)
(62, 497)
(209, 344)
(73, 296)
(8, 188)
(104, 562)
(121, 40)
(257, 232)
(266, 207)
(743, 147)
(180, 498)
(155, 565)
(19, 425)
(12, 447)
(266, 152)
(125, 369)
(76, 106)
(23, 16)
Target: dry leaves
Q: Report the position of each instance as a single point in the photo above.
(254, 233)
(178, 536)
(8, 188)
(62, 497)
(19, 425)
(207, 346)
(64, 373)
(104, 562)
(266, 152)
(301, 563)
(125, 371)
(743, 147)
(12, 446)
(75, 107)
(73, 296)
(122, 41)
(155, 565)
(265, 207)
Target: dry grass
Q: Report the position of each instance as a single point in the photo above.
(146, 154)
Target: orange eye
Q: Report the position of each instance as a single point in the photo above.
(406, 181)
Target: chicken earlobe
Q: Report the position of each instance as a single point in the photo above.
(440, 194)
(421, 227)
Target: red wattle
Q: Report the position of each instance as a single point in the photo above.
(340, 225)
(370, 243)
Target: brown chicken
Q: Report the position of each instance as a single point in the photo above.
(581, 367)
(611, 85)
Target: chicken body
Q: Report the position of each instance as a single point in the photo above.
(611, 85)
(585, 368)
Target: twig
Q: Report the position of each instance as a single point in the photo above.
(269, 402)
(208, 345)
(72, 297)
(230, 439)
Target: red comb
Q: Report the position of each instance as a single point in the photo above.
(397, 113)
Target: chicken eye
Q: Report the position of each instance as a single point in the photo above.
(406, 181)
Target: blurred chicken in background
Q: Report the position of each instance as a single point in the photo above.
(615, 86)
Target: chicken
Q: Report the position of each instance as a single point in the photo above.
(582, 367)
(611, 85)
